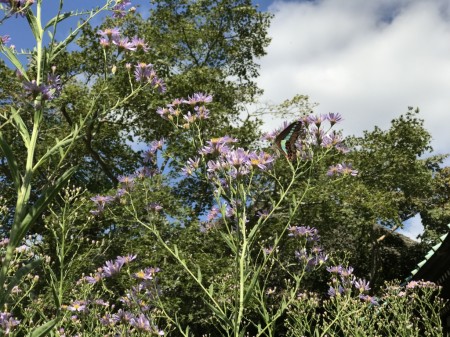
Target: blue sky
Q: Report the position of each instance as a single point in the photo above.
(366, 59)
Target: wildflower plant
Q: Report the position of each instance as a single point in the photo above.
(247, 288)
(410, 310)
(42, 86)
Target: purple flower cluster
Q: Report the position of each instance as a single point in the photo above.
(421, 284)
(311, 234)
(309, 257)
(16, 6)
(101, 201)
(314, 257)
(314, 134)
(231, 162)
(109, 269)
(174, 110)
(7, 322)
(127, 183)
(135, 314)
(144, 72)
(343, 281)
(111, 36)
(342, 169)
(119, 8)
(47, 92)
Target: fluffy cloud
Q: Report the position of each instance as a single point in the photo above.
(368, 60)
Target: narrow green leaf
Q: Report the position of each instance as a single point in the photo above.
(57, 19)
(199, 275)
(219, 314)
(34, 25)
(229, 242)
(12, 163)
(39, 206)
(211, 289)
(22, 127)
(58, 147)
(44, 329)
(12, 57)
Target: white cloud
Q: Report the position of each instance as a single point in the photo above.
(368, 60)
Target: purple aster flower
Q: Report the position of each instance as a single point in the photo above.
(102, 200)
(111, 268)
(333, 292)
(202, 112)
(196, 98)
(4, 39)
(202, 98)
(122, 260)
(334, 269)
(147, 273)
(144, 172)
(213, 213)
(346, 272)
(262, 160)
(310, 233)
(163, 112)
(238, 157)
(126, 182)
(157, 145)
(370, 299)
(331, 140)
(321, 258)
(230, 211)
(334, 118)
(159, 84)
(263, 213)
(32, 88)
(347, 169)
(107, 320)
(111, 34)
(213, 165)
(7, 322)
(342, 169)
(270, 136)
(54, 81)
(191, 166)
(79, 306)
(17, 6)
(362, 285)
(105, 43)
(120, 193)
(93, 279)
(316, 120)
(139, 44)
(217, 145)
(119, 8)
(124, 44)
(122, 316)
(189, 117)
(140, 323)
(144, 72)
